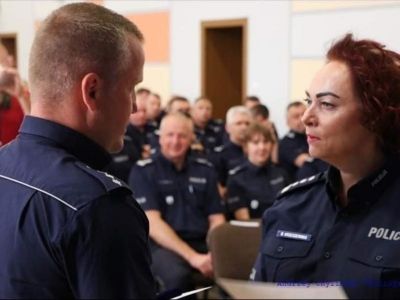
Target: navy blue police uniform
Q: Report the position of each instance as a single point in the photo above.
(68, 230)
(291, 146)
(309, 238)
(225, 158)
(254, 187)
(122, 162)
(185, 199)
(311, 167)
(209, 137)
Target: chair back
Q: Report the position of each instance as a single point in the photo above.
(234, 247)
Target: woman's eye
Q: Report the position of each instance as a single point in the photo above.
(327, 105)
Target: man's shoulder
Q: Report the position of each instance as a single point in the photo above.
(145, 163)
(202, 162)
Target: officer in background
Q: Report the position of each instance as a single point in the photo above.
(253, 186)
(153, 112)
(180, 197)
(230, 155)
(293, 147)
(207, 134)
(66, 229)
(342, 226)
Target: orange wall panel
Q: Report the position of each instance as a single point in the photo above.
(98, 2)
(155, 28)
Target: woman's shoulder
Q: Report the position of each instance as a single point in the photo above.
(303, 186)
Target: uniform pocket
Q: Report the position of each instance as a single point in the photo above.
(378, 268)
(281, 256)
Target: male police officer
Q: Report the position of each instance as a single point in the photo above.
(293, 147)
(179, 195)
(208, 134)
(67, 230)
(230, 155)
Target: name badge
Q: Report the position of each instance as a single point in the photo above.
(293, 235)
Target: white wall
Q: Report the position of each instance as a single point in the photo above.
(314, 31)
(268, 47)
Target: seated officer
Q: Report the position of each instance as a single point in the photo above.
(293, 147)
(253, 186)
(68, 230)
(180, 197)
(260, 114)
(209, 135)
(230, 155)
(153, 112)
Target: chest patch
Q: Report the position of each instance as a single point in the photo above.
(384, 234)
(293, 235)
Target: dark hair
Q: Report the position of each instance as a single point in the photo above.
(260, 110)
(76, 39)
(175, 99)
(375, 73)
(142, 91)
(256, 128)
(253, 99)
(295, 104)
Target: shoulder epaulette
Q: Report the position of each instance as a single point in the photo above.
(219, 148)
(300, 184)
(144, 162)
(108, 181)
(290, 135)
(203, 161)
(236, 170)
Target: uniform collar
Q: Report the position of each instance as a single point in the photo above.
(234, 146)
(258, 169)
(74, 142)
(367, 190)
(166, 162)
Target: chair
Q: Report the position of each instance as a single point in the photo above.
(234, 247)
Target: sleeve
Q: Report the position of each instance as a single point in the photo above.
(106, 252)
(143, 189)
(214, 199)
(217, 161)
(236, 195)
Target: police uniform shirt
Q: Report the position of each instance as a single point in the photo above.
(138, 137)
(254, 187)
(210, 137)
(290, 147)
(67, 230)
(310, 168)
(226, 158)
(307, 237)
(184, 198)
(122, 162)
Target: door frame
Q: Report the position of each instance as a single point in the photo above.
(217, 24)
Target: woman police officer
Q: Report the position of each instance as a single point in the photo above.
(342, 226)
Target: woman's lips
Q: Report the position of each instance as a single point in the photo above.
(312, 138)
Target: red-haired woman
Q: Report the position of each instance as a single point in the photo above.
(343, 226)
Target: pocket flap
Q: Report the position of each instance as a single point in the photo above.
(285, 248)
(378, 255)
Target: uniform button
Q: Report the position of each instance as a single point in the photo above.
(279, 249)
(378, 258)
(327, 255)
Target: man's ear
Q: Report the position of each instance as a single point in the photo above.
(90, 89)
